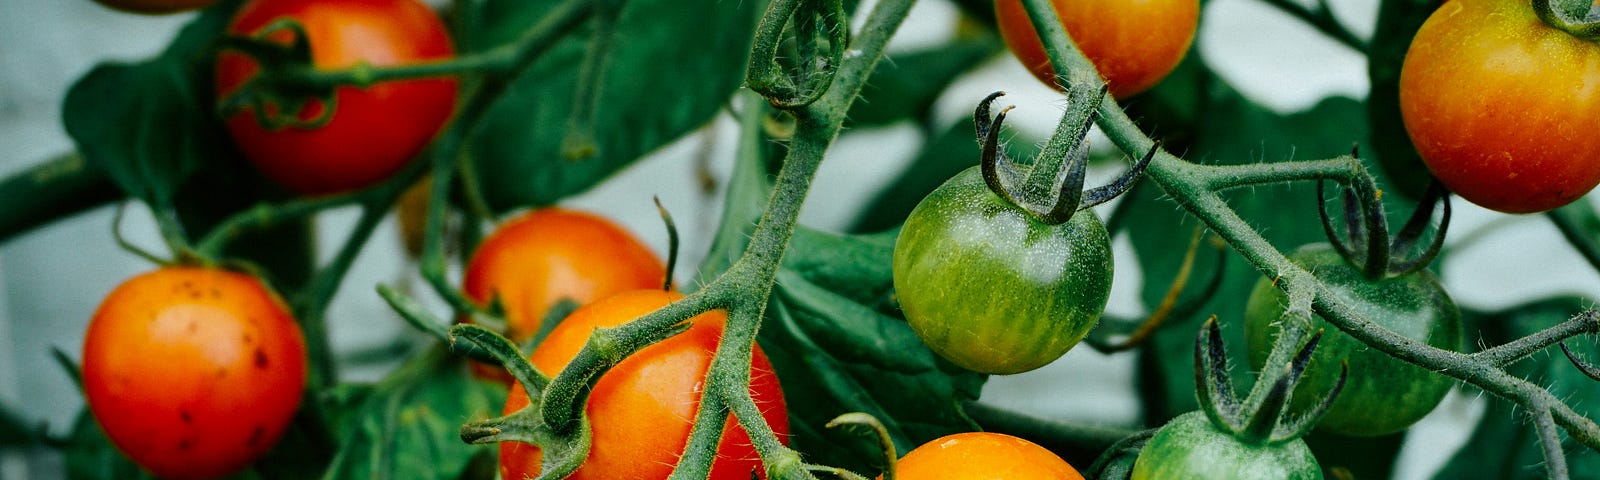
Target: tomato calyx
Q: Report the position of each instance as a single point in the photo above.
(1366, 242)
(279, 95)
(1047, 189)
(1584, 24)
(1262, 421)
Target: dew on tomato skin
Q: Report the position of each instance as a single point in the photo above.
(255, 435)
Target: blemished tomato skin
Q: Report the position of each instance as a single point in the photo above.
(992, 289)
(156, 6)
(1191, 448)
(641, 410)
(1382, 394)
(540, 257)
(1133, 43)
(193, 373)
(375, 130)
(1502, 107)
(983, 456)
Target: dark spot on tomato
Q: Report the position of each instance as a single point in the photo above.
(261, 359)
(185, 443)
(184, 415)
(255, 436)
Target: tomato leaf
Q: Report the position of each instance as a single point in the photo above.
(905, 85)
(1398, 22)
(1504, 444)
(839, 345)
(90, 455)
(409, 425)
(662, 80)
(148, 125)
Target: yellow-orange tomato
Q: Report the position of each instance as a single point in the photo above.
(193, 372)
(641, 410)
(1502, 107)
(983, 456)
(1133, 43)
(156, 6)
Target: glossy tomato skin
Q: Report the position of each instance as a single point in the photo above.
(193, 372)
(1502, 107)
(642, 409)
(156, 6)
(992, 289)
(1133, 43)
(376, 130)
(542, 256)
(1382, 394)
(1191, 448)
(983, 456)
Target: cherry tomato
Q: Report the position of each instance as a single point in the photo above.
(156, 6)
(983, 456)
(1501, 106)
(1382, 394)
(1189, 447)
(374, 130)
(193, 372)
(993, 289)
(642, 409)
(545, 255)
(1133, 43)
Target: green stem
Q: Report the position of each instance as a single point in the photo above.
(1588, 322)
(58, 188)
(1560, 17)
(1322, 18)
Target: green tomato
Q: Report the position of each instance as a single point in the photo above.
(1382, 394)
(1190, 447)
(993, 289)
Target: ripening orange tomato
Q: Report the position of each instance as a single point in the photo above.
(1133, 43)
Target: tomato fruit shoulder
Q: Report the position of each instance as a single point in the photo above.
(375, 130)
(1382, 394)
(993, 289)
(193, 372)
(641, 410)
(981, 456)
(1190, 447)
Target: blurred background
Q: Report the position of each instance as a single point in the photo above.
(52, 279)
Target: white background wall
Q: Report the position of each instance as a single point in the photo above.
(52, 279)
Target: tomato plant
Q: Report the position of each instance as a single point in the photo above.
(1190, 447)
(1133, 44)
(642, 409)
(193, 372)
(1498, 104)
(992, 288)
(374, 130)
(1385, 395)
(983, 455)
(156, 6)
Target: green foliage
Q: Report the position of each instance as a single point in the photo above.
(839, 345)
(664, 79)
(906, 85)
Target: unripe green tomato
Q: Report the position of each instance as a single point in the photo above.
(1382, 394)
(993, 289)
(1191, 448)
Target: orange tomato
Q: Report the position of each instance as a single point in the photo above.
(642, 409)
(983, 456)
(1133, 43)
(193, 372)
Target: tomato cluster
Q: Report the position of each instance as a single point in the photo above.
(193, 372)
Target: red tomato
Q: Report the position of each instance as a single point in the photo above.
(193, 372)
(656, 390)
(1133, 43)
(374, 130)
(1502, 107)
(983, 456)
